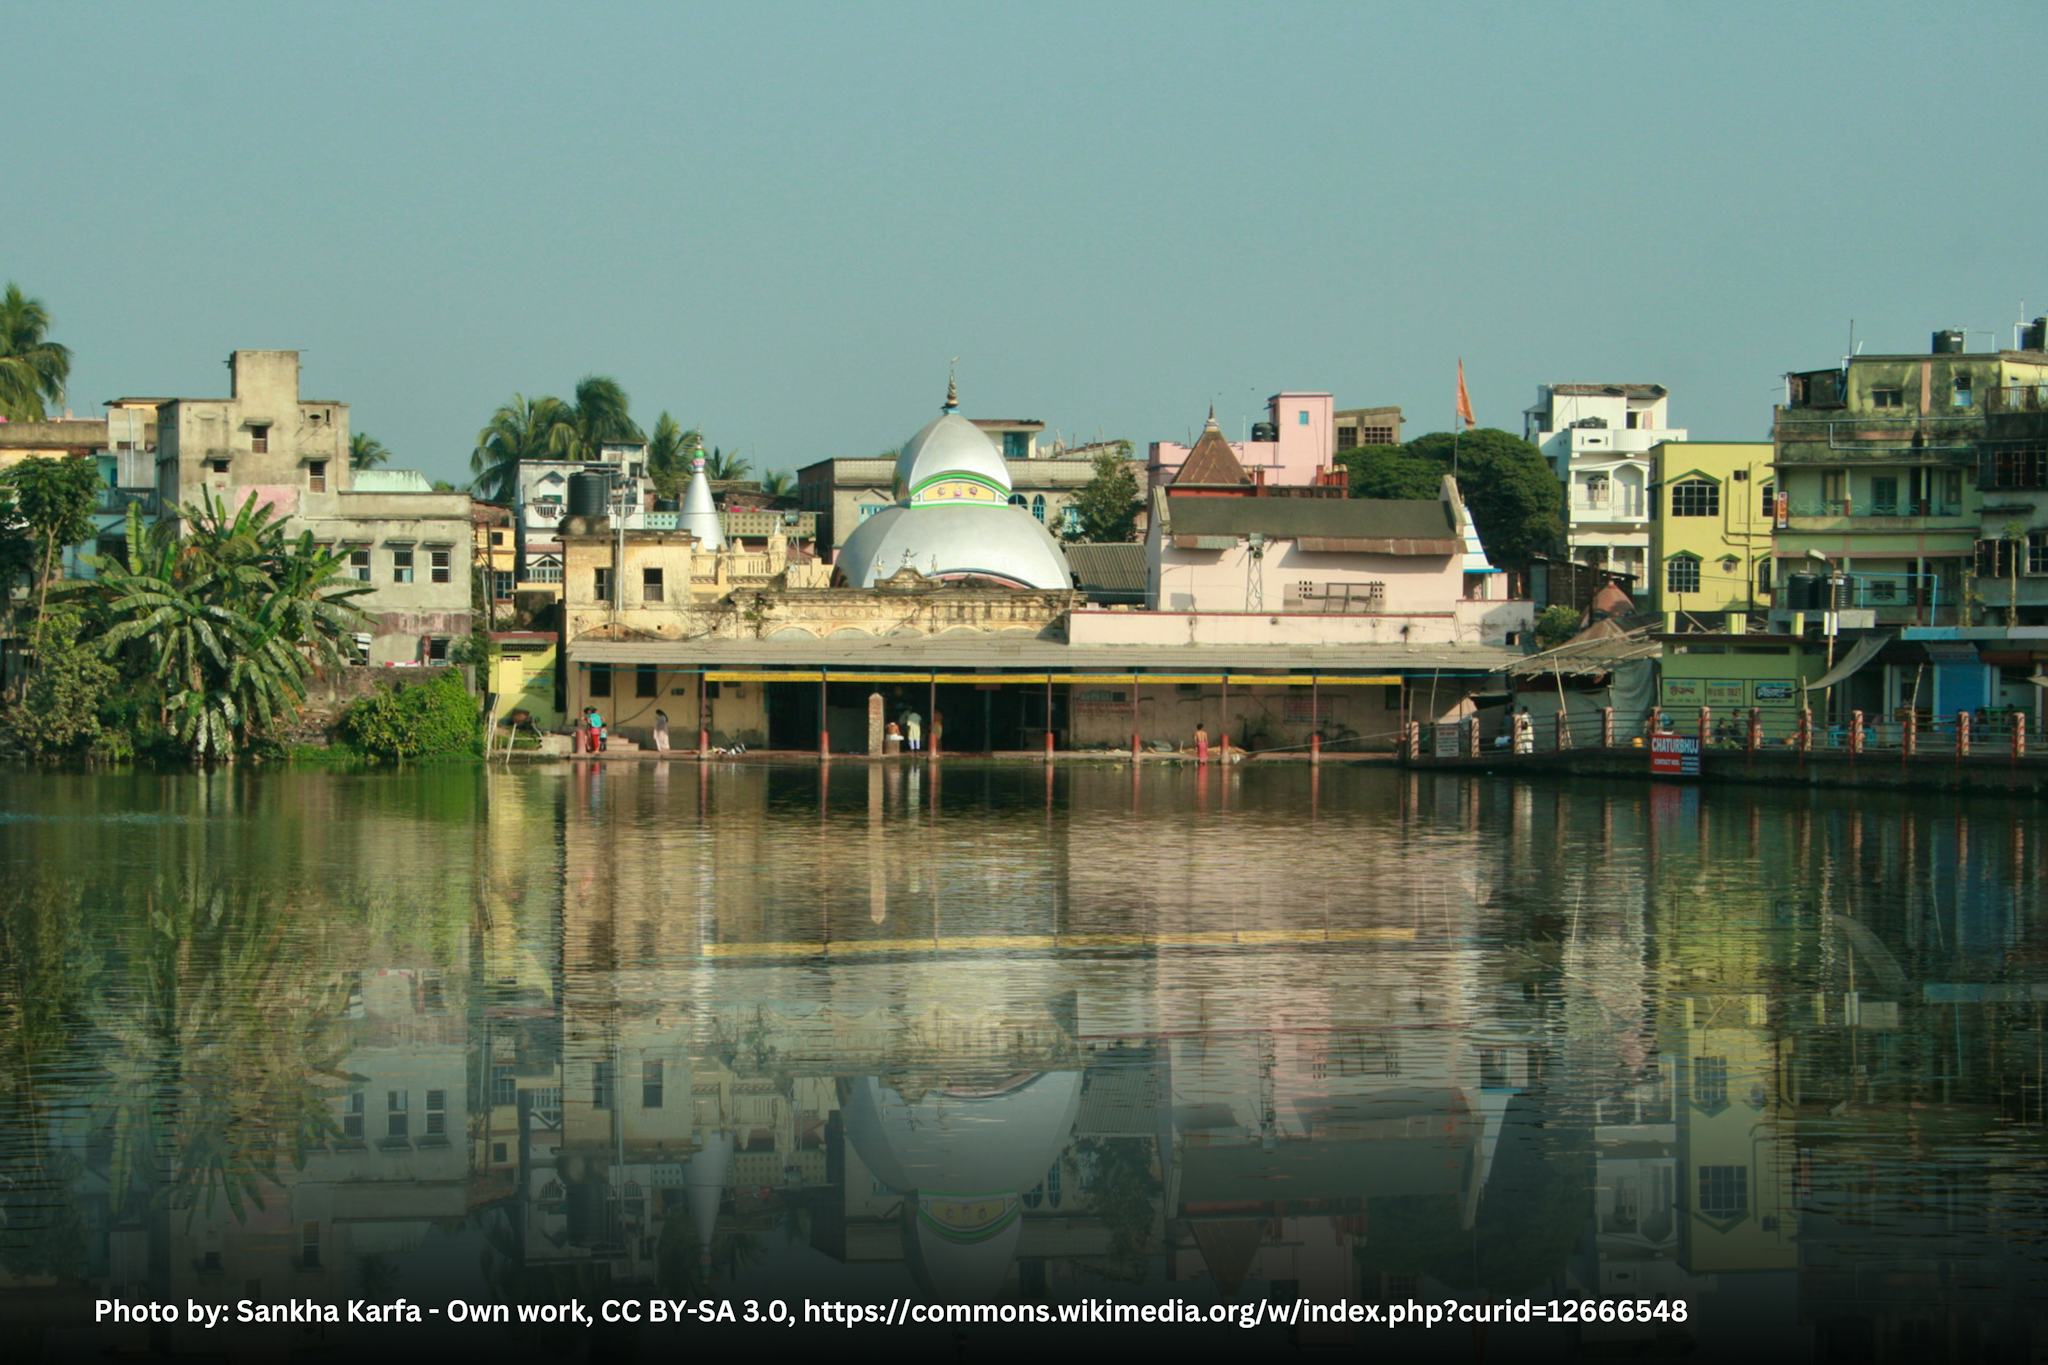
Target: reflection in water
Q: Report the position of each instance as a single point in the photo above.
(751, 1032)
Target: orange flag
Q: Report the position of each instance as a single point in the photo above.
(1464, 399)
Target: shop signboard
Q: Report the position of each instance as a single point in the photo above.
(1673, 755)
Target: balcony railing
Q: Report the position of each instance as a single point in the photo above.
(115, 502)
(1904, 507)
(2017, 398)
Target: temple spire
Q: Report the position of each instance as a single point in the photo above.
(1212, 418)
(952, 392)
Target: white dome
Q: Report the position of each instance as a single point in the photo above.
(955, 1146)
(950, 444)
(955, 540)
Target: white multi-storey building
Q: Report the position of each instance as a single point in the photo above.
(1598, 439)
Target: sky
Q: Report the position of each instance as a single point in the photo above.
(782, 221)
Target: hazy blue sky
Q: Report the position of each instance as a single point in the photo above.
(779, 221)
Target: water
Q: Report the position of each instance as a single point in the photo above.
(1004, 1035)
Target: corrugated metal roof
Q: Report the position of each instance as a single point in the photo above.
(1424, 520)
(1581, 657)
(1108, 570)
(1022, 651)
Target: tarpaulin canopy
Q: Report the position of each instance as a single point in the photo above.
(1860, 653)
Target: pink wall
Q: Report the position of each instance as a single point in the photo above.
(1214, 580)
(1301, 452)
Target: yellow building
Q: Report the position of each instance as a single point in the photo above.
(1711, 513)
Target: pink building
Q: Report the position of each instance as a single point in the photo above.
(1231, 561)
(1296, 443)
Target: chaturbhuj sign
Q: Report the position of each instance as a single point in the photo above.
(1674, 755)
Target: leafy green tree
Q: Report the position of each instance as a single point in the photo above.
(61, 705)
(33, 368)
(669, 447)
(1106, 508)
(599, 413)
(366, 451)
(1557, 624)
(778, 484)
(520, 429)
(55, 500)
(229, 623)
(1392, 472)
(719, 465)
(1515, 498)
(435, 717)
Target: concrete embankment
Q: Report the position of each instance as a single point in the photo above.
(1987, 774)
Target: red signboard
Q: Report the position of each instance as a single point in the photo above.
(1674, 755)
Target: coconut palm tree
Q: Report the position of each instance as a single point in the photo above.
(668, 455)
(719, 465)
(518, 430)
(229, 622)
(600, 412)
(778, 484)
(33, 368)
(366, 451)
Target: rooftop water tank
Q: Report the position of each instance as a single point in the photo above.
(1949, 341)
(588, 494)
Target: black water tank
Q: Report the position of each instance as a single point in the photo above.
(1949, 342)
(665, 504)
(2034, 336)
(1806, 592)
(588, 494)
(1265, 431)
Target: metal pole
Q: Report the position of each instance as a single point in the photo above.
(1315, 724)
(931, 722)
(1048, 717)
(824, 725)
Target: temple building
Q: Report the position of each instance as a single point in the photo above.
(952, 518)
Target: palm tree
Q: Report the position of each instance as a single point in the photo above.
(778, 484)
(32, 368)
(719, 465)
(366, 451)
(229, 622)
(668, 454)
(518, 430)
(599, 413)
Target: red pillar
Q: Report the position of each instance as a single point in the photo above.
(1315, 747)
(1706, 727)
(1909, 735)
(1607, 727)
(1855, 735)
(1755, 738)
(824, 729)
(1962, 734)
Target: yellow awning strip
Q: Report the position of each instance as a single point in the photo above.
(1181, 678)
(989, 678)
(1093, 679)
(794, 675)
(1269, 679)
(1387, 680)
(834, 675)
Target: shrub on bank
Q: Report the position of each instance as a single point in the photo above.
(420, 720)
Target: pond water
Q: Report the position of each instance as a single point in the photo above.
(1011, 1035)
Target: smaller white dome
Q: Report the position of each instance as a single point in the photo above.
(950, 444)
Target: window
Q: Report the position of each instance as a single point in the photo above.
(437, 1113)
(1696, 498)
(2013, 466)
(1994, 558)
(500, 1154)
(217, 466)
(1018, 500)
(1884, 496)
(650, 585)
(501, 585)
(600, 680)
(1038, 507)
(504, 1085)
(359, 563)
(259, 437)
(441, 565)
(1070, 519)
(1301, 418)
(1962, 395)
(1596, 490)
(1376, 436)
(868, 509)
(650, 1085)
(2037, 552)
(309, 1246)
(437, 649)
(1635, 419)
(1724, 1191)
(1682, 574)
(1888, 397)
(1475, 587)
(1347, 438)
(646, 681)
(352, 1114)
(497, 537)
(1016, 445)
(1763, 577)
(397, 1123)
(316, 477)
(1710, 1082)
(601, 1086)
(601, 584)
(1770, 492)
(401, 566)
